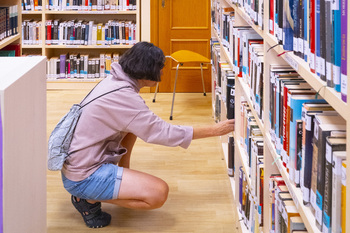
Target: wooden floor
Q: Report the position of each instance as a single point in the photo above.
(200, 198)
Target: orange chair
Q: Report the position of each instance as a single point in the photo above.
(181, 57)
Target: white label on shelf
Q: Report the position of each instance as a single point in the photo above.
(322, 66)
(306, 194)
(312, 60)
(291, 61)
(271, 24)
(329, 71)
(344, 83)
(295, 44)
(313, 199)
(336, 75)
(301, 45)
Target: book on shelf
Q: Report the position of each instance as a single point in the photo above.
(280, 190)
(13, 49)
(336, 45)
(231, 156)
(343, 196)
(288, 92)
(344, 42)
(289, 211)
(333, 144)
(294, 110)
(8, 21)
(297, 224)
(324, 126)
(274, 181)
(88, 5)
(230, 96)
(309, 111)
(338, 158)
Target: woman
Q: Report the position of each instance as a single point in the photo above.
(97, 169)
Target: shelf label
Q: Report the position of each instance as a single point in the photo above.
(291, 61)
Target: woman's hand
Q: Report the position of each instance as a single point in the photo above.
(218, 129)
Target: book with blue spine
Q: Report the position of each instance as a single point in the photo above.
(288, 25)
(336, 44)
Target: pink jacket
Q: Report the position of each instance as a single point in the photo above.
(105, 122)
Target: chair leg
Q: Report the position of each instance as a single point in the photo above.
(155, 93)
(203, 80)
(172, 104)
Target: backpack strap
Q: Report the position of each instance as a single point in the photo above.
(100, 95)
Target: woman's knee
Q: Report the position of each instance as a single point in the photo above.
(159, 195)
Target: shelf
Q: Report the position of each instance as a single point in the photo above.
(328, 93)
(107, 12)
(304, 211)
(31, 12)
(9, 40)
(88, 46)
(31, 46)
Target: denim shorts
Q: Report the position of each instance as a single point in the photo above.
(103, 184)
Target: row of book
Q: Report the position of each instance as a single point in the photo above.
(11, 50)
(80, 32)
(31, 32)
(316, 31)
(79, 5)
(250, 204)
(80, 66)
(283, 213)
(8, 21)
(255, 10)
(31, 5)
(305, 131)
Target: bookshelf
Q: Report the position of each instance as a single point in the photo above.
(94, 51)
(272, 55)
(15, 38)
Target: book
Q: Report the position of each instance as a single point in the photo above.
(324, 125)
(332, 144)
(298, 151)
(309, 111)
(337, 44)
(231, 156)
(289, 210)
(343, 197)
(338, 158)
(295, 103)
(312, 39)
(344, 41)
(296, 224)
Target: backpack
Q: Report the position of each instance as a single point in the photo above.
(61, 137)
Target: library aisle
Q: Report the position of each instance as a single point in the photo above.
(200, 197)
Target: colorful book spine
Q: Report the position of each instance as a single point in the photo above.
(344, 41)
(343, 197)
(337, 44)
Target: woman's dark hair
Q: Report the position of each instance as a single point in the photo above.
(143, 61)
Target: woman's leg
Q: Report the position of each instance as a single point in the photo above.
(128, 142)
(139, 190)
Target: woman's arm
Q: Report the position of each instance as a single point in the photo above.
(221, 128)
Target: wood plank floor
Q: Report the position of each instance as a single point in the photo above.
(200, 198)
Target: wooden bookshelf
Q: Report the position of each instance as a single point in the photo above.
(272, 163)
(55, 50)
(16, 38)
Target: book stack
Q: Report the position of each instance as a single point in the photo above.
(91, 5)
(80, 66)
(282, 210)
(80, 32)
(8, 21)
(31, 32)
(32, 5)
